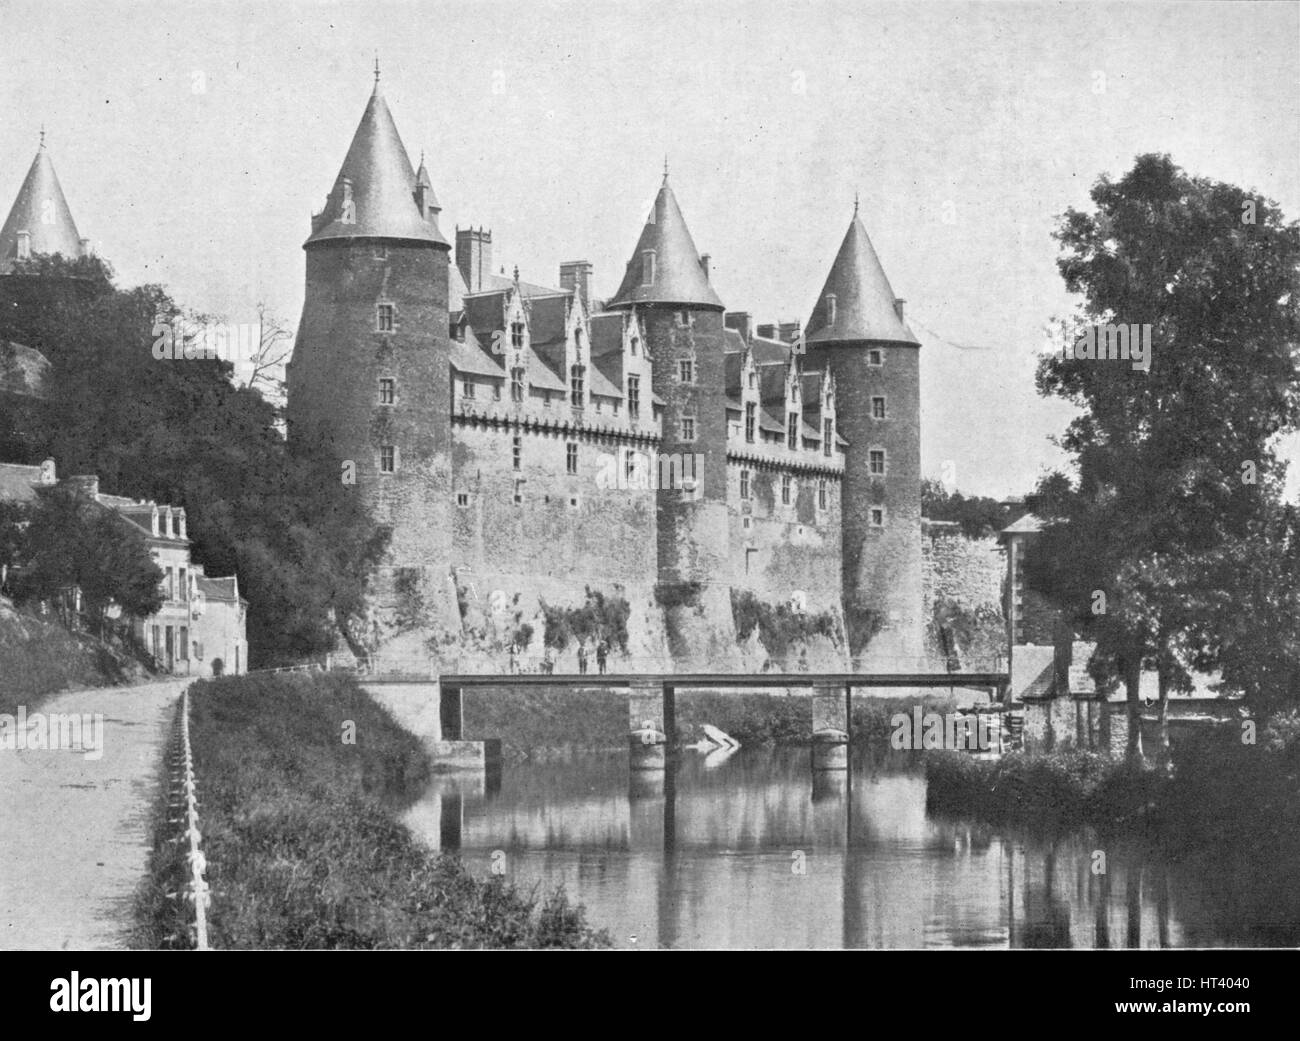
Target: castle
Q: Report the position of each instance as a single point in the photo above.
(482, 418)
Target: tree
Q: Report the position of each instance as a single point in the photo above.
(179, 431)
(66, 541)
(979, 516)
(1176, 471)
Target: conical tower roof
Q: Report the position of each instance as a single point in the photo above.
(42, 212)
(378, 173)
(678, 277)
(865, 307)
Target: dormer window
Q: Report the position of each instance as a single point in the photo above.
(794, 393)
(384, 318)
(636, 342)
(828, 436)
(751, 421)
(792, 430)
(753, 380)
(577, 344)
(830, 308)
(24, 245)
(517, 385)
(516, 334)
(648, 268)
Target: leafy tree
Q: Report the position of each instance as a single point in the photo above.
(1176, 471)
(979, 516)
(65, 541)
(179, 431)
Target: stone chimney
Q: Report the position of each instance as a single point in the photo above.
(898, 307)
(180, 522)
(154, 520)
(49, 472)
(704, 265)
(24, 245)
(788, 332)
(766, 331)
(474, 256)
(741, 321)
(575, 275)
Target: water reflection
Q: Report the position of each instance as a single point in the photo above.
(757, 851)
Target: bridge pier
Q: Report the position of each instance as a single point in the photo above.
(652, 724)
(830, 726)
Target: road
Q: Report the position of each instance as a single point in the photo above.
(74, 829)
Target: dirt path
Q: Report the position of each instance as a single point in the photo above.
(74, 829)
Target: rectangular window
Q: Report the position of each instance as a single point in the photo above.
(792, 430)
(877, 516)
(516, 385)
(387, 391)
(828, 437)
(169, 585)
(877, 408)
(462, 499)
(688, 428)
(183, 592)
(875, 356)
(634, 396)
(517, 450)
(876, 461)
(496, 391)
(184, 643)
(629, 464)
(577, 386)
(519, 492)
(822, 494)
(744, 484)
(785, 489)
(384, 318)
(571, 457)
(751, 421)
(387, 459)
(686, 370)
(516, 334)
(468, 389)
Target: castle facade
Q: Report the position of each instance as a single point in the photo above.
(529, 444)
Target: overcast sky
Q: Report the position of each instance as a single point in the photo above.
(193, 141)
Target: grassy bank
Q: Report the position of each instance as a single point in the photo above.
(538, 722)
(40, 657)
(302, 846)
(1216, 791)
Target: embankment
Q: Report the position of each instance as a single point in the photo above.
(299, 779)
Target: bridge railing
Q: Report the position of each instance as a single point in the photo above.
(567, 664)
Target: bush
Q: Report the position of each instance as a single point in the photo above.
(779, 627)
(669, 595)
(599, 618)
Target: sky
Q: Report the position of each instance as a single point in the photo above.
(194, 140)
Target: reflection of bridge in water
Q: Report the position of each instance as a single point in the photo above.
(752, 854)
(433, 707)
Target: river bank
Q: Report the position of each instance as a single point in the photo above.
(300, 779)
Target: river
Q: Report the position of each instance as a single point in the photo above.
(753, 851)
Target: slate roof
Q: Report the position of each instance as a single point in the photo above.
(865, 306)
(58, 235)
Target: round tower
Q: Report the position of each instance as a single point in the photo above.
(857, 332)
(370, 376)
(667, 285)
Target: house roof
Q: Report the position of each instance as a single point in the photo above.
(470, 358)
(18, 483)
(678, 276)
(865, 305)
(1027, 524)
(382, 185)
(226, 589)
(40, 210)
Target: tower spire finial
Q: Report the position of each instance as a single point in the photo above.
(42, 135)
(665, 168)
(376, 69)
(855, 204)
